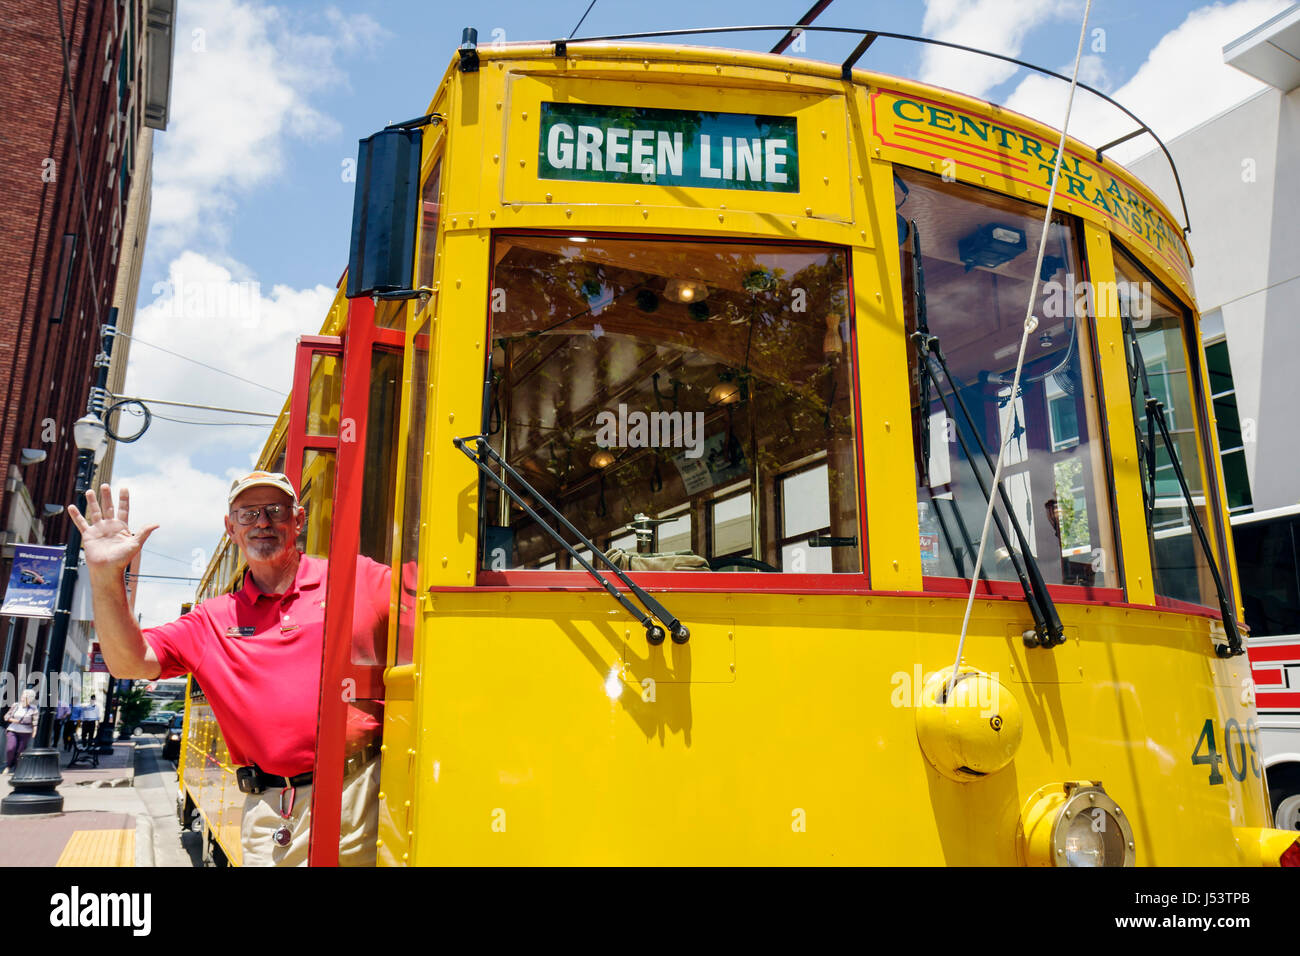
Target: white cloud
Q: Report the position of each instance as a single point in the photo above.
(178, 473)
(999, 26)
(188, 506)
(1183, 82)
(242, 82)
(246, 81)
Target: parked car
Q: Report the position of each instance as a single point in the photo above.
(157, 722)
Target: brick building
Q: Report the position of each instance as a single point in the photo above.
(85, 82)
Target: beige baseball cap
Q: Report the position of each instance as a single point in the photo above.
(259, 479)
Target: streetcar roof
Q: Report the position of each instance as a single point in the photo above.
(635, 46)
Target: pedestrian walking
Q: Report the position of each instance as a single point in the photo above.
(20, 725)
(90, 718)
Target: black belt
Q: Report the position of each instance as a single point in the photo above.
(255, 780)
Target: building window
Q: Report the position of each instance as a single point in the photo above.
(1232, 445)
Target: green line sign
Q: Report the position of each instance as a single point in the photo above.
(632, 144)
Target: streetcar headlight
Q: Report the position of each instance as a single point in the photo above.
(1075, 824)
(1084, 846)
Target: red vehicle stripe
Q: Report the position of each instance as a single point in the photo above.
(1267, 677)
(1278, 700)
(1275, 652)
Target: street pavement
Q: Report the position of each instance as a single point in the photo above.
(121, 813)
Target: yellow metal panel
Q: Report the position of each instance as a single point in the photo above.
(1135, 548)
(824, 188)
(99, 848)
(709, 657)
(1029, 665)
(893, 531)
(448, 546)
(396, 783)
(536, 746)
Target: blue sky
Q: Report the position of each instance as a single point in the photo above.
(251, 213)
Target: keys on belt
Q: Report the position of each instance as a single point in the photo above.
(256, 780)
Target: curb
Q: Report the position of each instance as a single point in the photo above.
(144, 842)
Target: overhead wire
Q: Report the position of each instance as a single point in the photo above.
(189, 421)
(213, 368)
(1030, 324)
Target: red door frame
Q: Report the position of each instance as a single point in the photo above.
(299, 440)
(360, 337)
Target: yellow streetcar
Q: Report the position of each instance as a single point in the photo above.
(671, 382)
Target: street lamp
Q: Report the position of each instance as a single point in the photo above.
(36, 778)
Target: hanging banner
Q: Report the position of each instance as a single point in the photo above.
(33, 581)
(97, 665)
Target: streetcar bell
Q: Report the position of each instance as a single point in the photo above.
(970, 729)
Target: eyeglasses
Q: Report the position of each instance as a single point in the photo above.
(274, 513)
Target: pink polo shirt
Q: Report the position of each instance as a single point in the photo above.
(258, 659)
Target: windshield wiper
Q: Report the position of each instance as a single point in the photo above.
(924, 380)
(1155, 411)
(1048, 629)
(482, 453)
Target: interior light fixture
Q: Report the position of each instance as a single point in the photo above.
(724, 393)
(686, 290)
(602, 459)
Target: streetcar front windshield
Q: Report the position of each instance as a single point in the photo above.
(687, 405)
(970, 293)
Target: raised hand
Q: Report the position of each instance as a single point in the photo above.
(108, 542)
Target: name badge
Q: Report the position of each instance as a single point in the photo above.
(240, 631)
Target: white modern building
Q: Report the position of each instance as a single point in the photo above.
(1240, 172)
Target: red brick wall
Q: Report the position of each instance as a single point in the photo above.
(46, 369)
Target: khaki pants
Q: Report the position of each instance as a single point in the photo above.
(358, 824)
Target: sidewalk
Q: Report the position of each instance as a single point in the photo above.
(104, 822)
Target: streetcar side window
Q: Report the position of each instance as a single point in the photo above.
(1162, 329)
(430, 217)
(412, 494)
(970, 293)
(665, 395)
